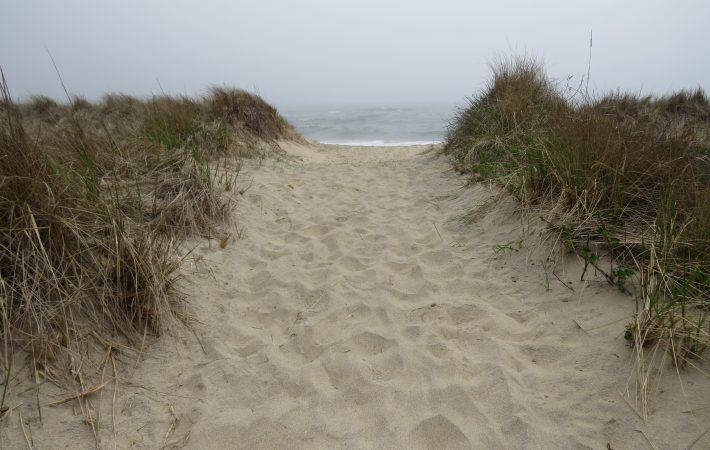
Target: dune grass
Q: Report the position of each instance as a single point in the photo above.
(623, 179)
(96, 199)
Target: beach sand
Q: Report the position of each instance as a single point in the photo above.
(355, 308)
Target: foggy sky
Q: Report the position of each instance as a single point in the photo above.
(330, 52)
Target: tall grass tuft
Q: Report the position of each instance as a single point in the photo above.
(96, 200)
(621, 176)
(69, 259)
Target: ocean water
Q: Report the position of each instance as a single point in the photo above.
(372, 125)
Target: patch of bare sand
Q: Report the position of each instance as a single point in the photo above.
(358, 310)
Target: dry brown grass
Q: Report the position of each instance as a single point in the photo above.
(621, 177)
(247, 111)
(96, 200)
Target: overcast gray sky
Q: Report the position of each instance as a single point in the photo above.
(342, 52)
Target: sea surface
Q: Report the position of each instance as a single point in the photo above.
(372, 125)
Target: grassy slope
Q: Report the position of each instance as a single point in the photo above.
(621, 176)
(96, 199)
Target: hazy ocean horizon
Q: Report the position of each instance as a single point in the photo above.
(372, 125)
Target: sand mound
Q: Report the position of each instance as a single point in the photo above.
(358, 310)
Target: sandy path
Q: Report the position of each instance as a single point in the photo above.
(359, 311)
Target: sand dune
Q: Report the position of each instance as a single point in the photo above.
(358, 310)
